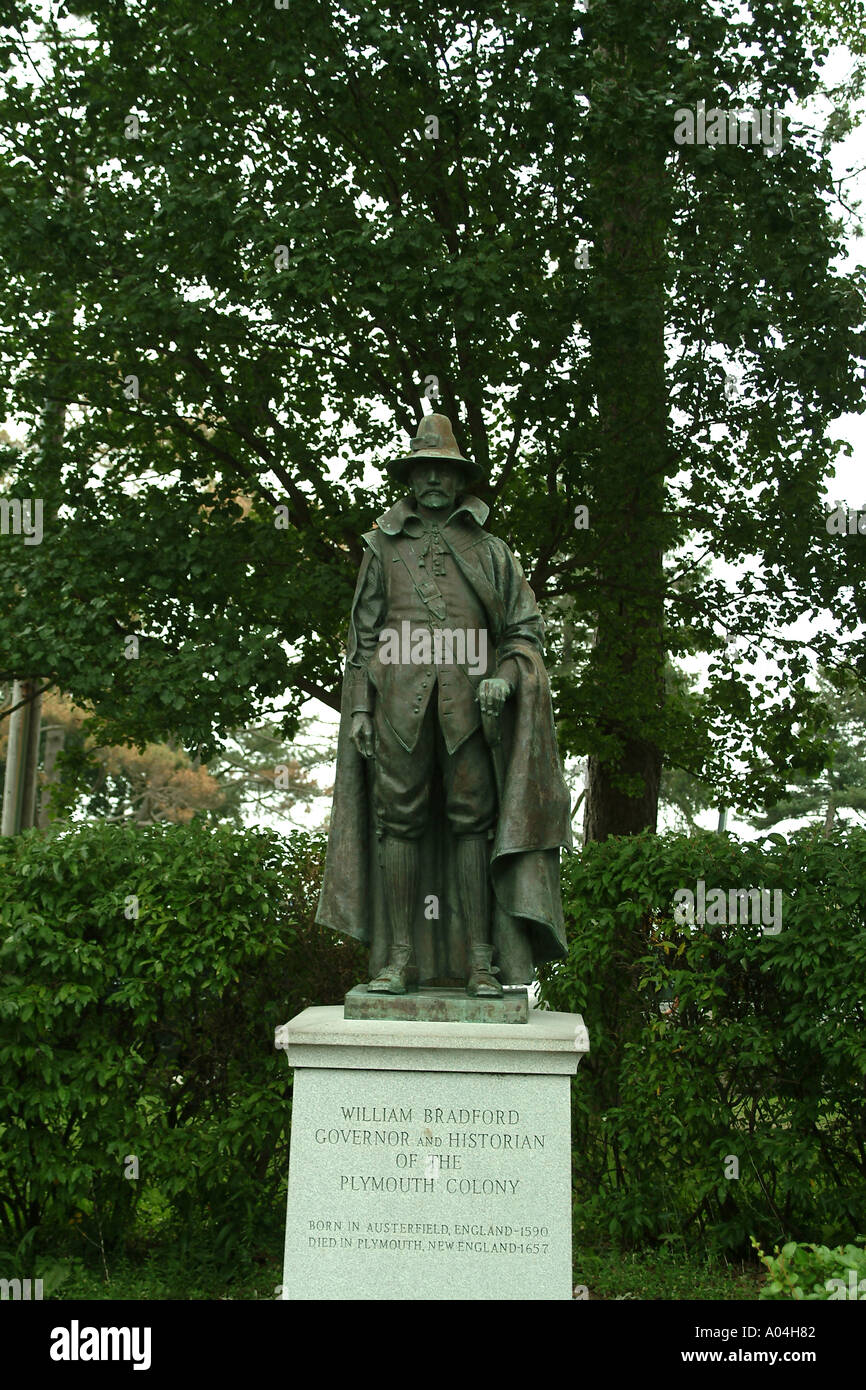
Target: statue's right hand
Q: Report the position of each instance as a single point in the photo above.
(362, 734)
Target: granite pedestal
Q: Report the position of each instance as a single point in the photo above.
(430, 1160)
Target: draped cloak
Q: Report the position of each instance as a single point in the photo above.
(533, 822)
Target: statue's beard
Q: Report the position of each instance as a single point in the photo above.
(426, 501)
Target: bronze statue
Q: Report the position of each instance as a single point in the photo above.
(450, 808)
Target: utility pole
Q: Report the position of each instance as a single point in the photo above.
(22, 757)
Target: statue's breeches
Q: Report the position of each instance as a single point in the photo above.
(402, 782)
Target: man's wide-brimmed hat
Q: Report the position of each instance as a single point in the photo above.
(435, 440)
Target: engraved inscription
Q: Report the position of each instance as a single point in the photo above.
(439, 1143)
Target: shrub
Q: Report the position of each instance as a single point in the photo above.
(814, 1272)
(152, 1035)
(718, 1049)
(142, 973)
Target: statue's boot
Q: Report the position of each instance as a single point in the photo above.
(473, 890)
(482, 977)
(398, 976)
(400, 875)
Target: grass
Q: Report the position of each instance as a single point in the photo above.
(664, 1274)
(159, 1275)
(163, 1260)
(159, 1268)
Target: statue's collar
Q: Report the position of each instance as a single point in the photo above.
(394, 521)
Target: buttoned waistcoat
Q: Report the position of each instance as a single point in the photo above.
(406, 686)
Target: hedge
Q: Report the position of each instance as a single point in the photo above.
(143, 971)
(723, 1097)
(142, 974)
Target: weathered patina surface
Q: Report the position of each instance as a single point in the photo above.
(427, 1005)
(450, 808)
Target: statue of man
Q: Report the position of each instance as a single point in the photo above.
(450, 808)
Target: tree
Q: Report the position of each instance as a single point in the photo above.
(320, 214)
(260, 774)
(257, 773)
(838, 785)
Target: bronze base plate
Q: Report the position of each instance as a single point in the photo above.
(437, 1005)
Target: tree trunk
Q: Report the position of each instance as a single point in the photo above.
(830, 816)
(630, 214)
(609, 810)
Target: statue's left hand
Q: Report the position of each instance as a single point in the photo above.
(492, 695)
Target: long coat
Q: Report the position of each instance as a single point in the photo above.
(534, 821)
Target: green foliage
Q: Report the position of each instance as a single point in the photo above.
(153, 255)
(152, 1035)
(160, 1272)
(840, 784)
(813, 1272)
(606, 1272)
(718, 1042)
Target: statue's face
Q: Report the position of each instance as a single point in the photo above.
(436, 483)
